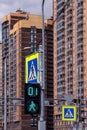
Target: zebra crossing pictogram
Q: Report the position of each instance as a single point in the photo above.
(32, 74)
(69, 114)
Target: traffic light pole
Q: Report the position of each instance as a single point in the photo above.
(42, 123)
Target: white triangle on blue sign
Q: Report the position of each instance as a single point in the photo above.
(32, 74)
(69, 114)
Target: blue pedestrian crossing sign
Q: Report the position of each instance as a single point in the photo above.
(32, 67)
(32, 71)
(69, 113)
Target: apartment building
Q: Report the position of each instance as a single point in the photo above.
(70, 52)
(20, 30)
(1, 115)
(49, 69)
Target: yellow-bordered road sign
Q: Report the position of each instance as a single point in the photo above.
(31, 68)
(69, 113)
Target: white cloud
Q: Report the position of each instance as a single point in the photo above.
(32, 6)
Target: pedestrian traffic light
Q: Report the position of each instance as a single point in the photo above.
(32, 98)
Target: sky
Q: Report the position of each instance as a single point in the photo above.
(32, 6)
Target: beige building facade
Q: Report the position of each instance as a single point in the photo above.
(19, 30)
(70, 54)
(1, 102)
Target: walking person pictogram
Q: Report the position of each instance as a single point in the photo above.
(32, 72)
(32, 106)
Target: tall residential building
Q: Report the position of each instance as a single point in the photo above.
(1, 116)
(19, 30)
(70, 54)
(49, 69)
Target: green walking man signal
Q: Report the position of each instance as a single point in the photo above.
(32, 98)
(32, 106)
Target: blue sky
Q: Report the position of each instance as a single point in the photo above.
(32, 6)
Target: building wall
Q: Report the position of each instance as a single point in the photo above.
(49, 69)
(16, 34)
(70, 68)
(55, 54)
(21, 30)
(1, 116)
(9, 52)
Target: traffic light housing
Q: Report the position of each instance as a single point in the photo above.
(32, 98)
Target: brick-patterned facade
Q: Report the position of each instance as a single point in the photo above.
(70, 52)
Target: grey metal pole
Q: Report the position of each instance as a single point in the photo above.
(43, 45)
(42, 123)
(5, 96)
(43, 75)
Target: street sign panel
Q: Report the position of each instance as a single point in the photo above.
(69, 113)
(31, 68)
